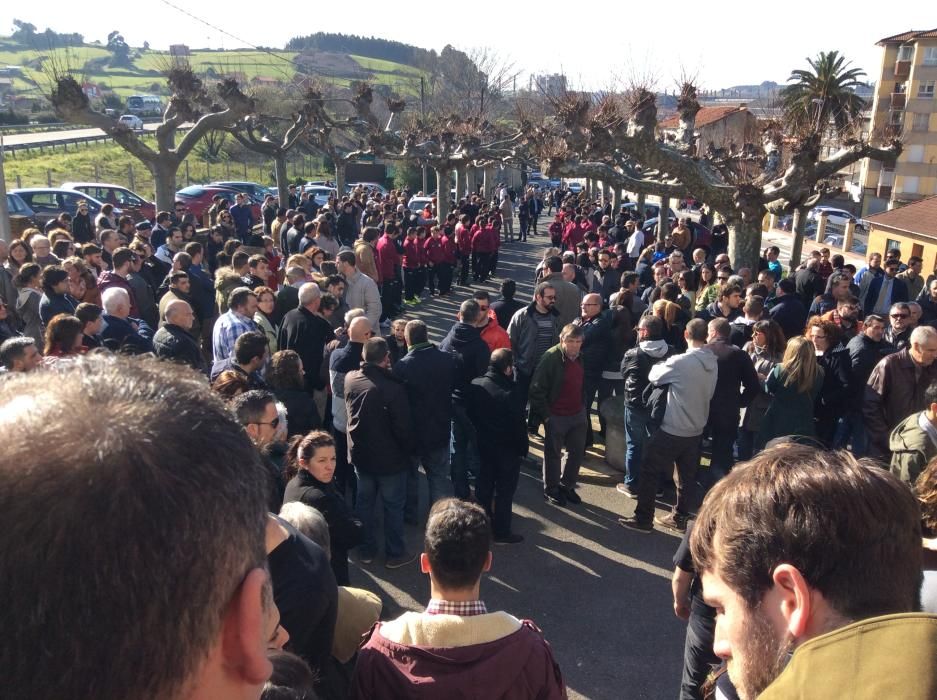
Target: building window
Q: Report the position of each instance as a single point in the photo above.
(930, 56)
(916, 153)
(921, 121)
(910, 184)
(896, 118)
(926, 89)
(905, 52)
(891, 243)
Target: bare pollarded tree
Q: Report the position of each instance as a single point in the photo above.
(191, 104)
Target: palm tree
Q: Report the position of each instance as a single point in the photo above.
(823, 94)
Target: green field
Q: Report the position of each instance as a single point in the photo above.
(148, 68)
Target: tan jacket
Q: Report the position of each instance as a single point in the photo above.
(364, 255)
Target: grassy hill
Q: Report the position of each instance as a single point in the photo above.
(91, 62)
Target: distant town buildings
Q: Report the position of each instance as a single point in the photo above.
(726, 127)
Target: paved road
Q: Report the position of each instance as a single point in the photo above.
(66, 135)
(600, 593)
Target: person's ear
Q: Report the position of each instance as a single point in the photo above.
(424, 563)
(488, 559)
(244, 631)
(792, 595)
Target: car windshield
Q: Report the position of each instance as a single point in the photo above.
(192, 191)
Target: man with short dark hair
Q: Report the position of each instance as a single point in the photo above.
(19, 354)
(380, 444)
(902, 325)
(190, 575)
(568, 295)
(259, 272)
(788, 311)
(122, 259)
(250, 356)
(242, 216)
(360, 290)
(689, 381)
(429, 375)
(885, 290)
(556, 400)
(866, 350)
(834, 586)
(55, 297)
(494, 654)
(237, 320)
(507, 305)
(727, 306)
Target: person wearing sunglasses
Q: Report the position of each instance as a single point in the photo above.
(899, 332)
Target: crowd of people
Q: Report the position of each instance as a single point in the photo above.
(285, 343)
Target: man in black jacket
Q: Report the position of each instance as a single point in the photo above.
(497, 412)
(173, 341)
(735, 369)
(597, 337)
(635, 368)
(380, 445)
(789, 311)
(865, 352)
(429, 374)
(472, 354)
(306, 332)
(507, 305)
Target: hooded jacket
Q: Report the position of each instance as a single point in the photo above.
(692, 380)
(493, 656)
(472, 353)
(522, 331)
(380, 432)
(365, 260)
(429, 374)
(891, 656)
(911, 448)
(735, 369)
(494, 335)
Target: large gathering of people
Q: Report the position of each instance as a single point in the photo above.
(235, 414)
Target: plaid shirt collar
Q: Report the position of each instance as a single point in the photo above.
(465, 608)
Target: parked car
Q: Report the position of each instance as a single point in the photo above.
(368, 186)
(837, 217)
(574, 187)
(835, 240)
(418, 204)
(131, 121)
(22, 216)
(257, 192)
(320, 193)
(702, 236)
(48, 202)
(198, 199)
(129, 202)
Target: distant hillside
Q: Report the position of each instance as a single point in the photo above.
(372, 47)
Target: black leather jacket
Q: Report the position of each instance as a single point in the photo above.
(636, 366)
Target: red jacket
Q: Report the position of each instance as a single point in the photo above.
(464, 239)
(433, 247)
(449, 250)
(573, 235)
(494, 335)
(412, 255)
(483, 241)
(387, 257)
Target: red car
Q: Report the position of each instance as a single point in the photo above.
(198, 200)
(127, 201)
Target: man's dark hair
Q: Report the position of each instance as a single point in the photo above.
(875, 318)
(654, 326)
(248, 346)
(333, 280)
(728, 290)
(369, 234)
(375, 350)
(669, 291)
(254, 260)
(721, 328)
(347, 257)
(481, 295)
(914, 260)
(239, 259)
(697, 330)
(52, 276)
(239, 296)
(144, 567)
(787, 286)
(250, 406)
(851, 528)
(88, 313)
(754, 305)
(554, 263)
(893, 253)
(508, 289)
(415, 333)
(457, 542)
(328, 302)
(541, 288)
(628, 279)
(13, 349)
(122, 256)
(177, 275)
(162, 217)
(501, 359)
(930, 394)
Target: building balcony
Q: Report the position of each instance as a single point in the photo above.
(898, 100)
(883, 192)
(902, 69)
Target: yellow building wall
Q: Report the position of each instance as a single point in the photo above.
(910, 244)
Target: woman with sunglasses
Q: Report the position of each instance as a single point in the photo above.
(82, 226)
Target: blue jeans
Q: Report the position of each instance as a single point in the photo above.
(436, 465)
(636, 434)
(393, 490)
(851, 429)
(464, 452)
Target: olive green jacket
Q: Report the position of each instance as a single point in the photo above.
(892, 656)
(911, 449)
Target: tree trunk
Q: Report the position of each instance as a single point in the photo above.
(616, 201)
(663, 219)
(340, 178)
(442, 195)
(641, 199)
(744, 241)
(164, 171)
(798, 229)
(283, 181)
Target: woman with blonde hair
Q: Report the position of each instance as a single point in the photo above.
(669, 313)
(793, 387)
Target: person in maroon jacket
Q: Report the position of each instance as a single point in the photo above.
(433, 249)
(446, 267)
(484, 245)
(412, 268)
(388, 260)
(463, 243)
(455, 647)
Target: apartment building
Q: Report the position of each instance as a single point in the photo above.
(904, 105)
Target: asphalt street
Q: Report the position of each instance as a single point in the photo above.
(600, 593)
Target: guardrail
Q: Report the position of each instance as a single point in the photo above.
(39, 128)
(63, 144)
